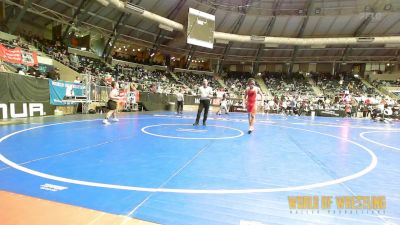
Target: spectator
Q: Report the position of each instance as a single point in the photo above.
(20, 71)
(77, 80)
(153, 88)
(2, 67)
(34, 71)
(53, 74)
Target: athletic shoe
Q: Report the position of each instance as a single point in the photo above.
(204, 124)
(105, 121)
(251, 129)
(115, 120)
(195, 124)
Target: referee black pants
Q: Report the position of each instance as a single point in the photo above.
(204, 104)
(179, 106)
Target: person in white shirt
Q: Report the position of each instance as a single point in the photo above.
(112, 103)
(21, 71)
(2, 67)
(77, 80)
(205, 93)
(179, 102)
(223, 106)
(131, 98)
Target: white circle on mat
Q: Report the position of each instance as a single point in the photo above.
(362, 135)
(358, 174)
(145, 130)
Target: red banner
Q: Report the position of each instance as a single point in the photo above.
(18, 56)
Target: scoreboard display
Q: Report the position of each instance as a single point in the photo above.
(200, 29)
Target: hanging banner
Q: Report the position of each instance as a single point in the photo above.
(23, 96)
(12, 55)
(60, 91)
(29, 58)
(18, 56)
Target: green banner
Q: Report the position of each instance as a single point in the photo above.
(24, 96)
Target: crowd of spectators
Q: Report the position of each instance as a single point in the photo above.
(282, 84)
(45, 72)
(102, 74)
(17, 42)
(192, 81)
(330, 84)
(386, 83)
(236, 82)
(291, 94)
(341, 93)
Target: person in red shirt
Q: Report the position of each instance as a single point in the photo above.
(251, 102)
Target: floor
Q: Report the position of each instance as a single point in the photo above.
(158, 167)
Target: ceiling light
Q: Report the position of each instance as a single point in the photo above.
(257, 38)
(103, 2)
(134, 8)
(365, 39)
(165, 27)
(221, 41)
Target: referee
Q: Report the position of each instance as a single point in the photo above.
(205, 93)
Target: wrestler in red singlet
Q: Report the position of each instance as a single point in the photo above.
(251, 100)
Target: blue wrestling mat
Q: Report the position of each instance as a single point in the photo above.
(160, 168)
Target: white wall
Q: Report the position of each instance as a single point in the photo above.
(303, 67)
(247, 68)
(393, 89)
(389, 76)
(312, 67)
(278, 68)
(66, 73)
(262, 68)
(7, 36)
(296, 68)
(324, 67)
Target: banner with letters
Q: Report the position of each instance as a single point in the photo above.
(23, 96)
(18, 56)
(60, 91)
